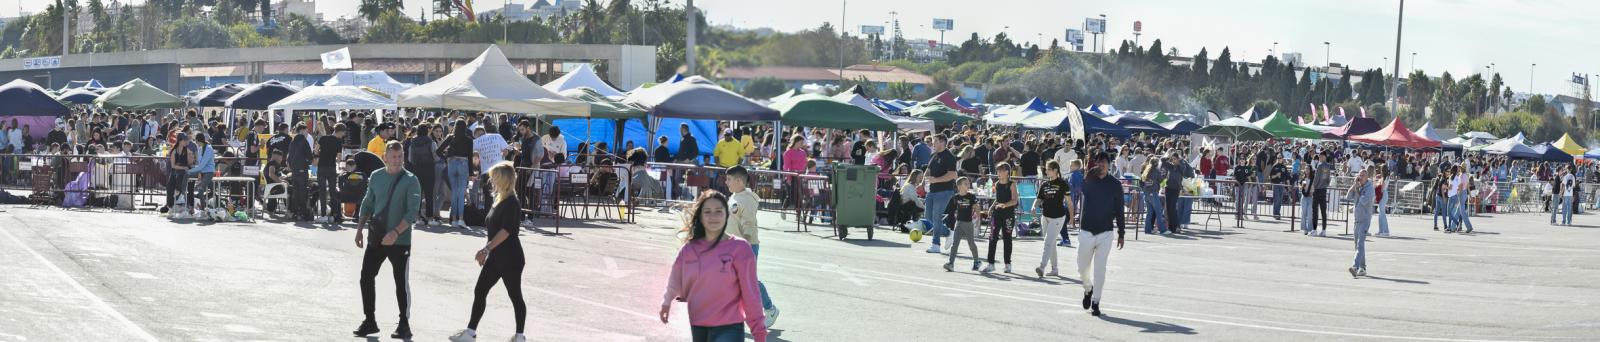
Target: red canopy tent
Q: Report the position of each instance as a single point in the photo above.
(949, 100)
(1396, 135)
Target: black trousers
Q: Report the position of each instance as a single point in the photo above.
(1319, 208)
(495, 271)
(298, 201)
(398, 256)
(425, 175)
(329, 183)
(1003, 228)
(1172, 210)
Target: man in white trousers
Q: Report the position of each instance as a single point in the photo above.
(1102, 206)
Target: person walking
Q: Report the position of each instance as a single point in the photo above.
(1441, 199)
(961, 210)
(501, 259)
(1459, 198)
(941, 186)
(1056, 201)
(1307, 194)
(1102, 206)
(715, 275)
(743, 223)
(392, 200)
(1150, 193)
(1003, 215)
(1362, 194)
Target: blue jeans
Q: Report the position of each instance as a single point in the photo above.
(1277, 201)
(457, 169)
(1361, 244)
(1305, 214)
(1185, 210)
(1439, 210)
(1153, 212)
(766, 301)
(726, 333)
(936, 203)
(1561, 207)
(1463, 216)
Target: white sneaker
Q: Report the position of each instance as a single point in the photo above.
(1053, 273)
(519, 338)
(459, 224)
(772, 316)
(1323, 234)
(987, 269)
(527, 222)
(933, 249)
(1008, 268)
(463, 336)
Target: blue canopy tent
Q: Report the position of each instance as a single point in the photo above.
(259, 96)
(1079, 124)
(692, 101)
(215, 97)
(964, 102)
(1138, 125)
(28, 104)
(91, 84)
(1594, 153)
(1181, 127)
(1037, 105)
(1549, 152)
(80, 96)
(889, 106)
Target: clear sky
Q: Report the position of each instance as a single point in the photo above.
(1461, 36)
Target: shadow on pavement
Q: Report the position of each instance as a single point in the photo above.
(1151, 327)
(1402, 281)
(775, 335)
(450, 230)
(858, 239)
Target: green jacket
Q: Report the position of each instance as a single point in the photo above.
(404, 206)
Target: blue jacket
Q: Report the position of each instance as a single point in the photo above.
(921, 154)
(1102, 205)
(205, 161)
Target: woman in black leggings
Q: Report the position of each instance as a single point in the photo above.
(502, 258)
(179, 159)
(1004, 213)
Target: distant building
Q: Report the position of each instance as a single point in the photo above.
(512, 11)
(305, 8)
(1567, 106)
(351, 29)
(1294, 58)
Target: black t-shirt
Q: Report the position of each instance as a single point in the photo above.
(328, 147)
(1030, 163)
(663, 155)
(1054, 193)
(858, 152)
(970, 166)
(280, 143)
(505, 216)
(962, 207)
(941, 164)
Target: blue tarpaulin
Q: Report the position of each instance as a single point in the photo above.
(1093, 124)
(605, 130)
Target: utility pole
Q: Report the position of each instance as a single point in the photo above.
(1394, 86)
(505, 23)
(66, 31)
(688, 49)
(1530, 79)
(844, 5)
(1327, 71)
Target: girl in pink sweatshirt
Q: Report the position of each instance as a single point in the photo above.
(715, 274)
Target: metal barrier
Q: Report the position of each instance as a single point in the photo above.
(124, 180)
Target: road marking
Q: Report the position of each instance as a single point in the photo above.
(599, 304)
(18, 337)
(612, 270)
(98, 303)
(137, 275)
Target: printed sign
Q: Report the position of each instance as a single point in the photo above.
(943, 24)
(51, 62)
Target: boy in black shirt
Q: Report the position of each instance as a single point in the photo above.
(961, 211)
(327, 155)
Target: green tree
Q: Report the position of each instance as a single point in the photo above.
(373, 10)
(392, 27)
(195, 32)
(1535, 104)
(764, 87)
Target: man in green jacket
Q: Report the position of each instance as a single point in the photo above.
(393, 195)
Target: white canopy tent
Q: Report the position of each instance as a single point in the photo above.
(583, 76)
(490, 84)
(904, 123)
(377, 80)
(1010, 116)
(334, 98)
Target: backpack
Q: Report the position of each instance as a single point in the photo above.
(421, 152)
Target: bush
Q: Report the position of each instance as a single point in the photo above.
(764, 87)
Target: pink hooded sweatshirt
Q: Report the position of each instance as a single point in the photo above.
(719, 284)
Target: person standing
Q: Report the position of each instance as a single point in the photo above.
(1150, 178)
(728, 151)
(392, 199)
(1362, 194)
(1382, 191)
(1176, 172)
(688, 148)
(1056, 203)
(961, 211)
(179, 159)
(380, 140)
(1568, 185)
(1003, 215)
(1102, 206)
(1319, 196)
(1280, 185)
(501, 259)
(458, 152)
(421, 161)
(941, 186)
(328, 147)
(299, 167)
(715, 275)
(744, 206)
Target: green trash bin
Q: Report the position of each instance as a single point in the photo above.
(855, 191)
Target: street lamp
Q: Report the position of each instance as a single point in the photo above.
(1413, 61)
(1103, 28)
(1327, 71)
(1274, 50)
(1530, 78)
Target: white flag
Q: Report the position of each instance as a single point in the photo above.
(337, 59)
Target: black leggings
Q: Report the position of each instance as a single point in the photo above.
(1319, 208)
(329, 184)
(1002, 229)
(425, 177)
(511, 273)
(370, 263)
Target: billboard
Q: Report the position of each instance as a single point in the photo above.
(1075, 38)
(1138, 26)
(51, 62)
(1094, 25)
(871, 29)
(943, 24)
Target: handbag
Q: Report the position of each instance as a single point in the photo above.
(378, 219)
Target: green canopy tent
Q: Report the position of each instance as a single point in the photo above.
(602, 107)
(1236, 128)
(1280, 127)
(1162, 118)
(137, 95)
(812, 110)
(939, 113)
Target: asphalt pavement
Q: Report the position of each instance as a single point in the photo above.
(72, 275)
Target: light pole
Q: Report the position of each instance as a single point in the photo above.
(1530, 78)
(1413, 61)
(894, 18)
(843, 6)
(1102, 42)
(1399, 26)
(1327, 71)
(1274, 50)
(505, 23)
(688, 50)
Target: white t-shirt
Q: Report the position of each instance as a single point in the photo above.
(1455, 186)
(1065, 156)
(556, 145)
(1566, 185)
(1355, 164)
(489, 146)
